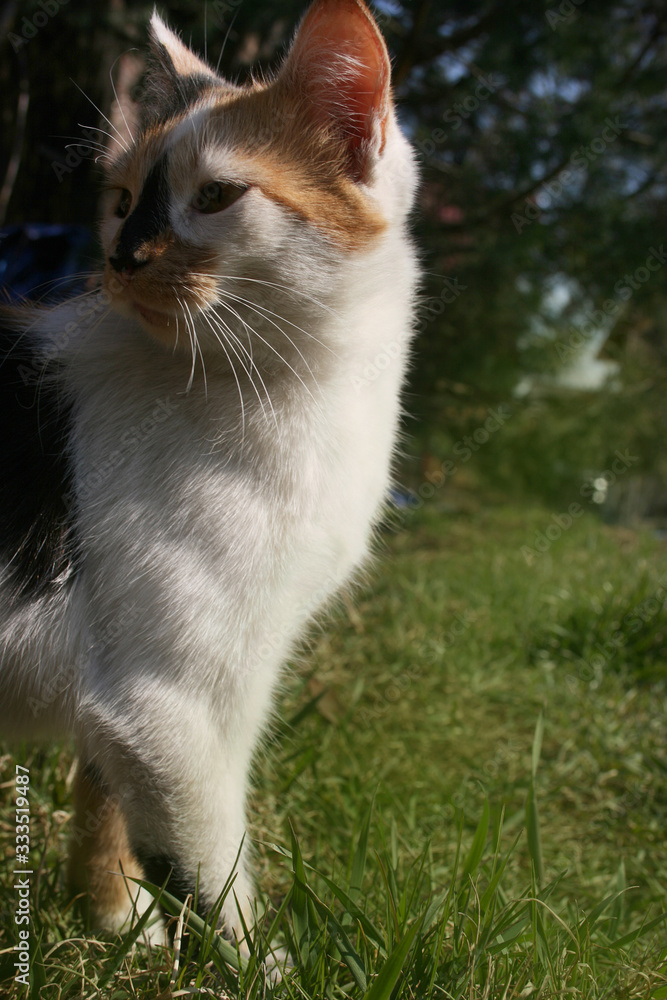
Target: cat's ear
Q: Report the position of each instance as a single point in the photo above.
(340, 64)
(175, 58)
(174, 76)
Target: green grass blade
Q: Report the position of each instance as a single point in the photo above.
(130, 938)
(537, 744)
(372, 932)
(633, 936)
(618, 906)
(352, 960)
(37, 976)
(382, 987)
(359, 860)
(300, 920)
(598, 910)
(196, 924)
(479, 840)
(490, 890)
(533, 834)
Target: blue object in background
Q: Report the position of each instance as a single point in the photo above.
(35, 258)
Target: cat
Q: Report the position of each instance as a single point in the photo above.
(193, 461)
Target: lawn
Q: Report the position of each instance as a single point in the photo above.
(463, 795)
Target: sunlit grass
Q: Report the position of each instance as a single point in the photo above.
(416, 832)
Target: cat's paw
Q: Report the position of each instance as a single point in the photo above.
(138, 900)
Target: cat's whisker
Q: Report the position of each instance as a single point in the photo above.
(248, 331)
(191, 339)
(192, 347)
(224, 42)
(27, 329)
(272, 284)
(233, 370)
(104, 132)
(101, 153)
(120, 139)
(44, 370)
(232, 340)
(75, 276)
(231, 336)
(115, 94)
(191, 321)
(257, 306)
(280, 357)
(82, 141)
(251, 305)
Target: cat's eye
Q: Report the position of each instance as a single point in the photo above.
(124, 204)
(216, 196)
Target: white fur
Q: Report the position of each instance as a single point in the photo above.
(210, 532)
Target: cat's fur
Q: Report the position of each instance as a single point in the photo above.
(185, 492)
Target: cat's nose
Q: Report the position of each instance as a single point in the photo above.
(126, 263)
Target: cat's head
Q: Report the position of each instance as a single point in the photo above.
(220, 195)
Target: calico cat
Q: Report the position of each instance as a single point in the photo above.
(193, 459)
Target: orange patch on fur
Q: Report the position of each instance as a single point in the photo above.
(99, 847)
(300, 164)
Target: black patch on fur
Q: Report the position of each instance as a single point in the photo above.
(186, 91)
(158, 866)
(91, 772)
(168, 93)
(146, 221)
(36, 530)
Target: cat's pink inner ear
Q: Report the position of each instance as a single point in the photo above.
(340, 60)
(183, 61)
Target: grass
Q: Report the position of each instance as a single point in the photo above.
(465, 797)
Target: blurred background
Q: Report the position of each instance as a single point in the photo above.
(540, 364)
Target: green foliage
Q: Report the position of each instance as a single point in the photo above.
(623, 630)
(540, 134)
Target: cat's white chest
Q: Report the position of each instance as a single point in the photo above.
(231, 548)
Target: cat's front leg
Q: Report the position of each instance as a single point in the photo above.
(178, 769)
